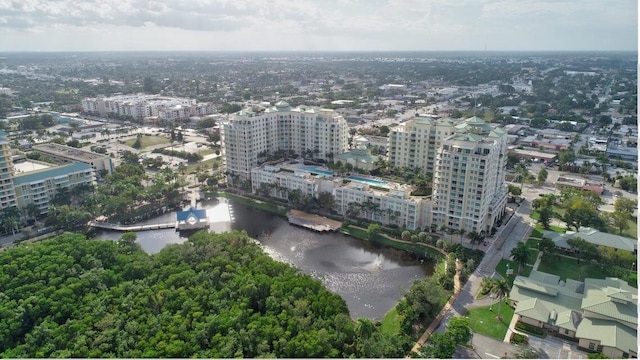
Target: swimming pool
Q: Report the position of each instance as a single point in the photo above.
(314, 169)
(369, 181)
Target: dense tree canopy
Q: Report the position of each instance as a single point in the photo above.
(217, 295)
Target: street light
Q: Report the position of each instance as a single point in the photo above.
(632, 265)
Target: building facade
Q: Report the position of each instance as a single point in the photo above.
(248, 136)
(354, 196)
(7, 193)
(40, 187)
(469, 189)
(415, 144)
(140, 106)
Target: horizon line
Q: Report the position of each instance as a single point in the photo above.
(319, 51)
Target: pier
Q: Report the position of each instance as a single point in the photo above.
(313, 222)
(117, 227)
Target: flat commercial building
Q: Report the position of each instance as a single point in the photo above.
(68, 154)
(248, 136)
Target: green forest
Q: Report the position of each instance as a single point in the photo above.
(215, 296)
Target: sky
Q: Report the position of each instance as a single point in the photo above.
(318, 25)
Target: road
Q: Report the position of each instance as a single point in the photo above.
(517, 229)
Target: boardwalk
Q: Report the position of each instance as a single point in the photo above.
(313, 222)
(116, 227)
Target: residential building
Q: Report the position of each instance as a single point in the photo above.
(414, 144)
(140, 106)
(7, 193)
(248, 135)
(601, 314)
(41, 186)
(469, 189)
(68, 154)
(355, 196)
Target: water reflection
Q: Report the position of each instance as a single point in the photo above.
(370, 279)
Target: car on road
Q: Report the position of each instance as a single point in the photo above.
(617, 194)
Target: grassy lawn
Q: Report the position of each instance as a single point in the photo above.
(537, 232)
(149, 140)
(568, 268)
(391, 323)
(206, 152)
(502, 269)
(483, 321)
(632, 229)
(192, 168)
(532, 243)
(541, 230)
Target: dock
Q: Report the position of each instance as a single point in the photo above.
(313, 222)
(117, 227)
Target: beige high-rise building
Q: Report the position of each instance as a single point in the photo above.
(7, 193)
(469, 189)
(414, 144)
(249, 136)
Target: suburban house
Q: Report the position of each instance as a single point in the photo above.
(600, 314)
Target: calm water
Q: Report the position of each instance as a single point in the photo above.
(369, 278)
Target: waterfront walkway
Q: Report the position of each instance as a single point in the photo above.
(117, 227)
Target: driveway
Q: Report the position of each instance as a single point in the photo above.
(484, 347)
(555, 348)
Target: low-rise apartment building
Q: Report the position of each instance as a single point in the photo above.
(354, 196)
(41, 186)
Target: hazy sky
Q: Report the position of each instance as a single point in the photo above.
(340, 25)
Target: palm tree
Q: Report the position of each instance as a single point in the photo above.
(462, 232)
(501, 289)
(520, 254)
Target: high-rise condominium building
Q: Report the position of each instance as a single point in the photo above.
(469, 190)
(414, 144)
(7, 193)
(248, 136)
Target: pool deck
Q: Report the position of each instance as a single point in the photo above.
(313, 222)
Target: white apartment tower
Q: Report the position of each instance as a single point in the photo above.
(7, 193)
(414, 145)
(248, 135)
(469, 190)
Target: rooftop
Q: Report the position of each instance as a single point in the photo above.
(68, 152)
(593, 236)
(58, 171)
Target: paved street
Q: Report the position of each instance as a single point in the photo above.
(515, 230)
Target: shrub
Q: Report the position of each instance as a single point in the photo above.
(529, 329)
(519, 338)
